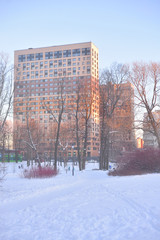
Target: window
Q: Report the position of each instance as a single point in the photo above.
(76, 52)
(21, 58)
(74, 71)
(59, 63)
(48, 55)
(30, 57)
(66, 53)
(39, 56)
(32, 65)
(24, 66)
(88, 70)
(86, 51)
(46, 73)
(51, 64)
(69, 62)
(58, 54)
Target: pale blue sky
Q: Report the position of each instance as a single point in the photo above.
(123, 30)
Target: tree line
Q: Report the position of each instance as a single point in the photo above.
(72, 124)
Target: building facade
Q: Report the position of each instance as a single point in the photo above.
(123, 118)
(45, 76)
(117, 117)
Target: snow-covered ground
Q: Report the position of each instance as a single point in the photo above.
(87, 206)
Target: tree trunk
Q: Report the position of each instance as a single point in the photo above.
(85, 144)
(57, 139)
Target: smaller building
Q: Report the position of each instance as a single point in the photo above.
(149, 138)
(117, 116)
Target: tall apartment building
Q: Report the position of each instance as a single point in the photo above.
(39, 74)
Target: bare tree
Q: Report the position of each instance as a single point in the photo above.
(6, 95)
(28, 137)
(6, 89)
(17, 140)
(31, 143)
(28, 133)
(83, 111)
(110, 94)
(87, 100)
(5, 140)
(77, 127)
(146, 80)
(57, 118)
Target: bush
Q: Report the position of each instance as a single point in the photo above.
(40, 172)
(138, 162)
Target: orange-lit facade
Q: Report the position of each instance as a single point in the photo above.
(121, 123)
(140, 142)
(38, 74)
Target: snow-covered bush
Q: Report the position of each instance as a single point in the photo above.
(138, 162)
(39, 172)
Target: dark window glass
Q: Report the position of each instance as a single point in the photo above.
(86, 51)
(30, 57)
(58, 54)
(48, 55)
(39, 56)
(59, 63)
(51, 64)
(88, 70)
(76, 52)
(69, 62)
(66, 53)
(21, 58)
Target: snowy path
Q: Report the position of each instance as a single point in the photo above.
(88, 206)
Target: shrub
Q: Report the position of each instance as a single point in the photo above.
(40, 172)
(138, 162)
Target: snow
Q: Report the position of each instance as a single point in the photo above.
(87, 206)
